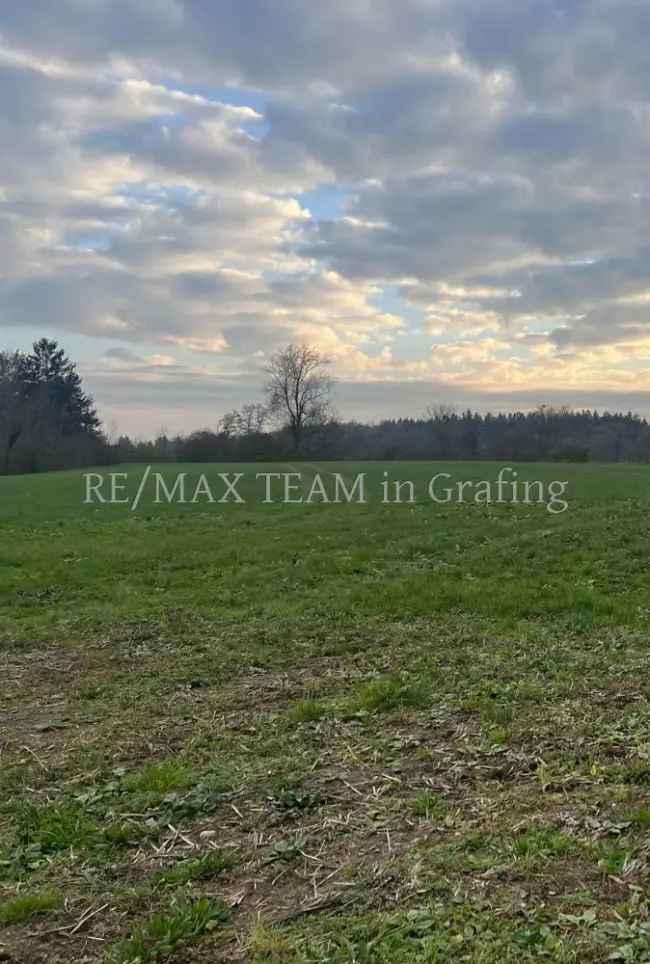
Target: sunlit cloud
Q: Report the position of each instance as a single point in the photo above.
(447, 195)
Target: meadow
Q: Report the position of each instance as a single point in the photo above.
(325, 731)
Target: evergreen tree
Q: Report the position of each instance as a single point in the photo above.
(52, 382)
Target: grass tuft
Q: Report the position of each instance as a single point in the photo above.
(53, 828)
(167, 932)
(160, 778)
(25, 906)
(389, 693)
(428, 805)
(205, 867)
(543, 842)
(308, 711)
(640, 817)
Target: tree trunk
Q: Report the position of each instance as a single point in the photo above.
(296, 431)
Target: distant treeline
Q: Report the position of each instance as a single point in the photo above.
(547, 434)
(48, 422)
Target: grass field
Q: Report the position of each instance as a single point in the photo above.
(325, 732)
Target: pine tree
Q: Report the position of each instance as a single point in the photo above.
(52, 382)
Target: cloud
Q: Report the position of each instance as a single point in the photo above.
(122, 358)
(492, 160)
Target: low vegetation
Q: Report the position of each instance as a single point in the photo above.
(327, 733)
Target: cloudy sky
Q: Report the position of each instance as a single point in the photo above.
(451, 198)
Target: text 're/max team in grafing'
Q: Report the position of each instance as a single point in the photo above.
(331, 487)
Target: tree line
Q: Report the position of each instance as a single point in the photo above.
(545, 435)
(47, 421)
(296, 420)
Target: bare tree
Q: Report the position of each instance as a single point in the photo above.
(246, 421)
(440, 412)
(298, 390)
(253, 418)
(442, 418)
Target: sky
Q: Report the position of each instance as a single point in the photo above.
(449, 198)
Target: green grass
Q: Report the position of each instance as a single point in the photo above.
(158, 779)
(52, 828)
(388, 693)
(428, 805)
(23, 908)
(425, 935)
(205, 867)
(377, 733)
(166, 932)
(501, 561)
(545, 843)
(308, 711)
(640, 817)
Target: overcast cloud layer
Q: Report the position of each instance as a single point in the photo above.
(451, 198)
